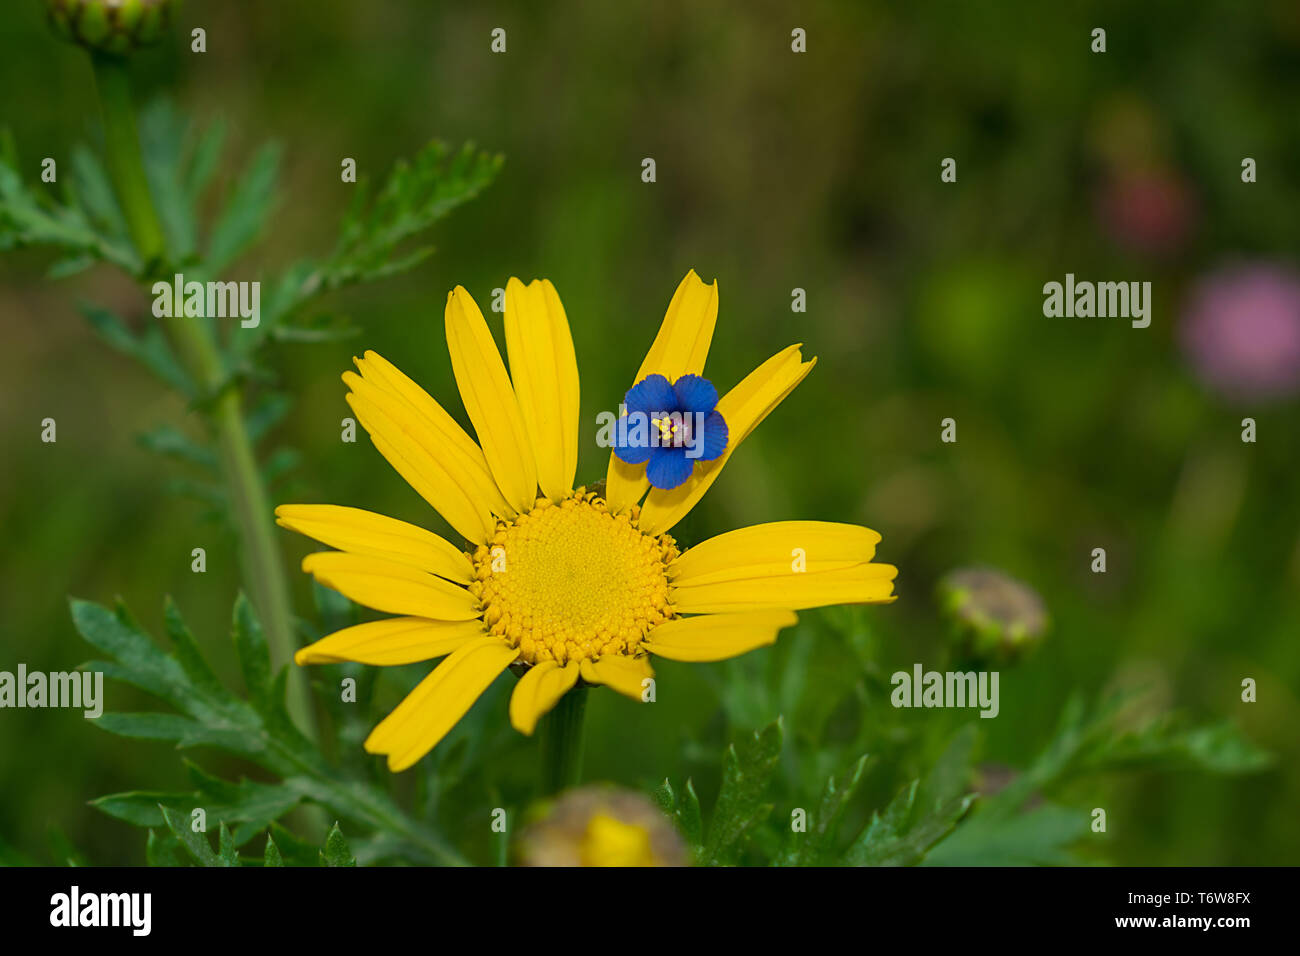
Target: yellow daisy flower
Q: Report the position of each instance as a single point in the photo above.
(569, 585)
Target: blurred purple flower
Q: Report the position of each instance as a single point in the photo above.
(1241, 331)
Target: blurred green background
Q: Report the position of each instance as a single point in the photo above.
(775, 171)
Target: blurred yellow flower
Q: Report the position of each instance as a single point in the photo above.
(569, 585)
(601, 826)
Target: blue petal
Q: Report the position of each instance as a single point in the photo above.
(651, 395)
(668, 468)
(716, 435)
(631, 445)
(695, 394)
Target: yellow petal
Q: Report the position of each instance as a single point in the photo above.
(716, 637)
(743, 408)
(623, 674)
(545, 374)
(775, 548)
(538, 691)
(859, 584)
(364, 532)
(403, 439)
(439, 701)
(397, 640)
(490, 400)
(680, 348)
(391, 587)
(441, 435)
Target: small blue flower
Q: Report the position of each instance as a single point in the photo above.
(669, 427)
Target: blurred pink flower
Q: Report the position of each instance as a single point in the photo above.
(1241, 331)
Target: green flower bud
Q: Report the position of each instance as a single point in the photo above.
(994, 617)
(111, 26)
(601, 826)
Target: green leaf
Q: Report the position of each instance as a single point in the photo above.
(30, 218)
(374, 232)
(336, 852)
(226, 851)
(746, 772)
(163, 136)
(247, 210)
(295, 852)
(254, 656)
(206, 714)
(684, 810)
(272, 856)
(195, 845)
(204, 161)
(922, 814)
(1039, 837)
(815, 846)
(164, 850)
(149, 348)
(90, 187)
(268, 413)
(170, 442)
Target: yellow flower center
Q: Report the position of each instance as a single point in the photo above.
(572, 582)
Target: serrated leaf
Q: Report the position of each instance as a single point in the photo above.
(254, 655)
(272, 855)
(208, 715)
(373, 233)
(336, 852)
(226, 850)
(294, 851)
(195, 845)
(246, 211)
(922, 814)
(163, 133)
(171, 442)
(149, 348)
(268, 413)
(684, 810)
(816, 844)
(204, 161)
(747, 769)
(164, 850)
(90, 187)
(29, 218)
(1038, 837)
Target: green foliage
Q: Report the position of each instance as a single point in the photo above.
(746, 772)
(1013, 828)
(922, 814)
(85, 225)
(256, 728)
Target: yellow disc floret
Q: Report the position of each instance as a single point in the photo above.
(571, 581)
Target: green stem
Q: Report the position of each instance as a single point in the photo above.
(125, 164)
(194, 341)
(562, 740)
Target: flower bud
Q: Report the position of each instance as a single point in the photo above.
(994, 617)
(601, 826)
(111, 26)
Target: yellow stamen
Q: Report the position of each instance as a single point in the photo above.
(667, 428)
